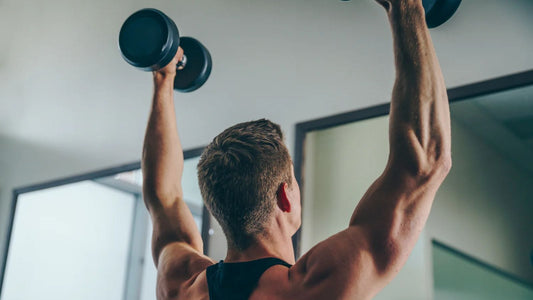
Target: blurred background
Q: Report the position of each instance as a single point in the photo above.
(71, 105)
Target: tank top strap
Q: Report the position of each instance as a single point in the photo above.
(236, 281)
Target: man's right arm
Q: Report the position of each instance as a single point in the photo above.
(395, 208)
(357, 262)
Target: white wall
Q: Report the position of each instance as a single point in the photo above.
(483, 208)
(71, 105)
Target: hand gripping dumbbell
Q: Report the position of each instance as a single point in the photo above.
(149, 40)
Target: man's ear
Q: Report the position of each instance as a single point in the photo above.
(283, 200)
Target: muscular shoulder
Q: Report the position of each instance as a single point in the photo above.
(281, 283)
(181, 273)
(274, 284)
(340, 267)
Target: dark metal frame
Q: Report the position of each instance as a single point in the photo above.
(454, 94)
(187, 154)
(482, 264)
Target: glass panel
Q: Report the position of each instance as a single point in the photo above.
(456, 277)
(191, 189)
(69, 242)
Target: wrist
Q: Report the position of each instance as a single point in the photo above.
(410, 8)
(163, 78)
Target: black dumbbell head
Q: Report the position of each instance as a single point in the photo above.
(149, 39)
(439, 11)
(198, 67)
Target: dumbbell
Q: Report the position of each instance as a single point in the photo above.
(149, 40)
(439, 11)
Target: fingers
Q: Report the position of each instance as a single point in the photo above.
(170, 69)
(179, 55)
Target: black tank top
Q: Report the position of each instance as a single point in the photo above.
(237, 281)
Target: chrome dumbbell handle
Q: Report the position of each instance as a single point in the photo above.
(182, 63)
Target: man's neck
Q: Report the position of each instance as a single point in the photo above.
(268, 245)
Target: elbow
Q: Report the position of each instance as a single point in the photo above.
(433, 166)
(440, 157)
(150, 190)
(421, 160)
(446, 164)
(163, 192)
(442, 166)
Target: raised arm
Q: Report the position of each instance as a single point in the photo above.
(162, 166)
(395, 208)
(357, 262)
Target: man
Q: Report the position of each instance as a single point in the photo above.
(248, 184)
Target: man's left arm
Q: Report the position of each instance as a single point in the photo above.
(162, 165)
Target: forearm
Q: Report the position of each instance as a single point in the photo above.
(419, 129)
(162, 159)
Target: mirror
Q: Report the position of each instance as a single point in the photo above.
(484, 208)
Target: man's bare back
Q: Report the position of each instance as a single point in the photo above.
(357, 262)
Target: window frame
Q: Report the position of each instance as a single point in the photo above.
(139, 224)
(437, 244)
